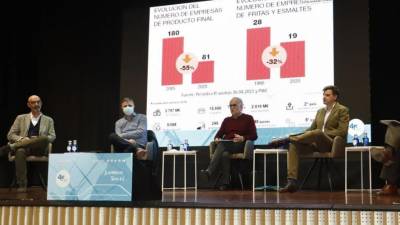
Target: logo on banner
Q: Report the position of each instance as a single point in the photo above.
(63, 178)
(356, 127)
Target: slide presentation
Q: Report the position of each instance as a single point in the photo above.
(275, 55)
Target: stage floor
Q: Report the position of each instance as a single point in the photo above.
(207, 198)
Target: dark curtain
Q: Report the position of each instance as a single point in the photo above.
(69, 55)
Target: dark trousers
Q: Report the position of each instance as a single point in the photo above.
(221, 158)
(34, 146)
(122, 145)
(392, 142)
(391, 173)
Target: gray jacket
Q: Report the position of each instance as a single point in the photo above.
(20, 128)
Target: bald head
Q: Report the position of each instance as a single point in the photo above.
(237, 100)
(35, 104)
(236, 106)
(33, 98)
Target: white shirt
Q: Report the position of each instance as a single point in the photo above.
(35, 120)
(328, 112)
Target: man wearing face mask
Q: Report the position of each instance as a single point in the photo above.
(130, 131)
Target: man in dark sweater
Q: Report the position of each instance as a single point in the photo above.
(231, 138)
(30, 134)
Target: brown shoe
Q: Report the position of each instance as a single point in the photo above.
(384, 156)
(388, 189)
(279, 142)
(141, 154)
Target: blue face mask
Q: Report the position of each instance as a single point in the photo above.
(128, 110)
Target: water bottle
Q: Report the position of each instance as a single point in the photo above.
(186, 145)
(169, 145)
(355, 140)
(74, 146)
(69, 146)
(365, 139)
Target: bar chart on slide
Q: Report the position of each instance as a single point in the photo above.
(171, 49)
(258, 39)
(176, 63)
(289, 57)
(201, 54)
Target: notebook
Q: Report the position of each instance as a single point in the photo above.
(390, 122)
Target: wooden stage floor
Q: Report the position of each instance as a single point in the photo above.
(207, 198)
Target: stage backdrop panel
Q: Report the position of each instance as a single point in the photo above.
(90, 177)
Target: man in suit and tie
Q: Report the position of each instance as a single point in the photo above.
(329, 122)
(30, 134)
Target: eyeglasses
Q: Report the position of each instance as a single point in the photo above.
(232, 105)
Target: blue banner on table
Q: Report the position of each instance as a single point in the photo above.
(90, 177)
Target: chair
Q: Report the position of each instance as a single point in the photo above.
(33, 159)
(153, 153)
(147, 179)
(242, 158)
(325, 159)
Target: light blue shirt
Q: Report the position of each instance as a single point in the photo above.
(133, 127)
